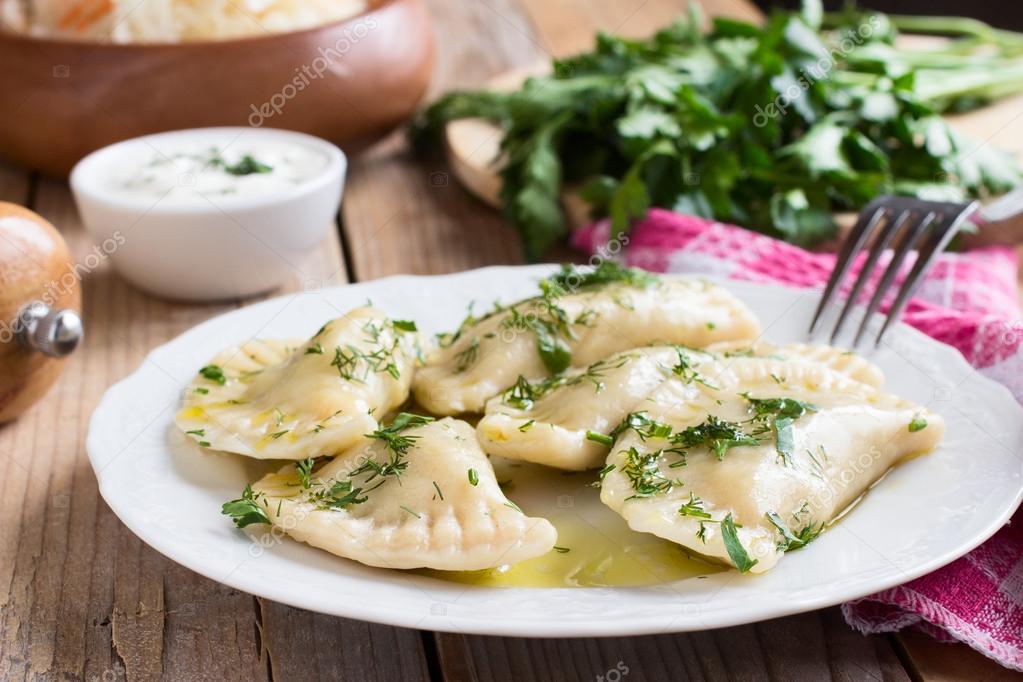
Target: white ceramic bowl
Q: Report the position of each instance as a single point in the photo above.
(203, 246)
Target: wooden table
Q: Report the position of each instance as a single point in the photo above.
(82, 597)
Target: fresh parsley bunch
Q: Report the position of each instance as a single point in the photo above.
(773, 127)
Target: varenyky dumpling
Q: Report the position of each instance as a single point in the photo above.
(565, 420)
(843, 361)
(559, 421)
(761, 463)
(280, 400)
(581, 318)
(419, 494)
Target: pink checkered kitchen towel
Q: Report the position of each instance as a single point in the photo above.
(969, 301)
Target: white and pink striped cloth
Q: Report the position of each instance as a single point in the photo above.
(969, 301)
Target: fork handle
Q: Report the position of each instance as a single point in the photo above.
(1005, 207)
(999, 223)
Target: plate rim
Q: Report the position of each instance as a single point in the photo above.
(487, 624)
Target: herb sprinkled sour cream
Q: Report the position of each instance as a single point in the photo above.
(194, 171)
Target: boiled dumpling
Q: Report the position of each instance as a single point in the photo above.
(565, 421)
(608, 310)
(843, 361)
(758, 464)
(280, 400)
(561, 422)
(421, 493)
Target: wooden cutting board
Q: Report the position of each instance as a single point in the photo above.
(473, 149)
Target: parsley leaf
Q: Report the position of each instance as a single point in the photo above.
(736, 552)
(918, 424)
(742, 124)
(214, 373)
(792, 541)
(246, 510)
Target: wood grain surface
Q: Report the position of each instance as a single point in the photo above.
(82, 598)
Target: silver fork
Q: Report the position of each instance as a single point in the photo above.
(924, 226)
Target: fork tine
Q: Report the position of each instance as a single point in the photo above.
(911, 237)
(940, 237)
(852, 245)
(890, 229)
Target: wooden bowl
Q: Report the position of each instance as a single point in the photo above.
(349, 82)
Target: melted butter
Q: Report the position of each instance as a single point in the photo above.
(192, 413)
(222, 405)
(280, 485)
(592, 559)
(264, 417)
(602, 551)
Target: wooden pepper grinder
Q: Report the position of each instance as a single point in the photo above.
(40, 302)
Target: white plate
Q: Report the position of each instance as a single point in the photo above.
(925, 514)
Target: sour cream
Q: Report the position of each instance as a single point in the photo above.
(187, 171)
(211, 213)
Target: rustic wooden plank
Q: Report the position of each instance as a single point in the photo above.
(86, 597)
(940, 662)
(308, 646)
(80, 596)
(812, 646)
(407, 215)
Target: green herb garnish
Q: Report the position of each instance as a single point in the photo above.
(775, 125)
(398, 445)
(572, 277)
(304, 469)
(792, 541)
(602, 474)
(467, 358)
(247, 165)
(694, 508)
(714, 433)
(246, 510)
(214, 373)
(736, 552)
(644, 473)
(779, 414)
(644, 426)
(340, 495)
